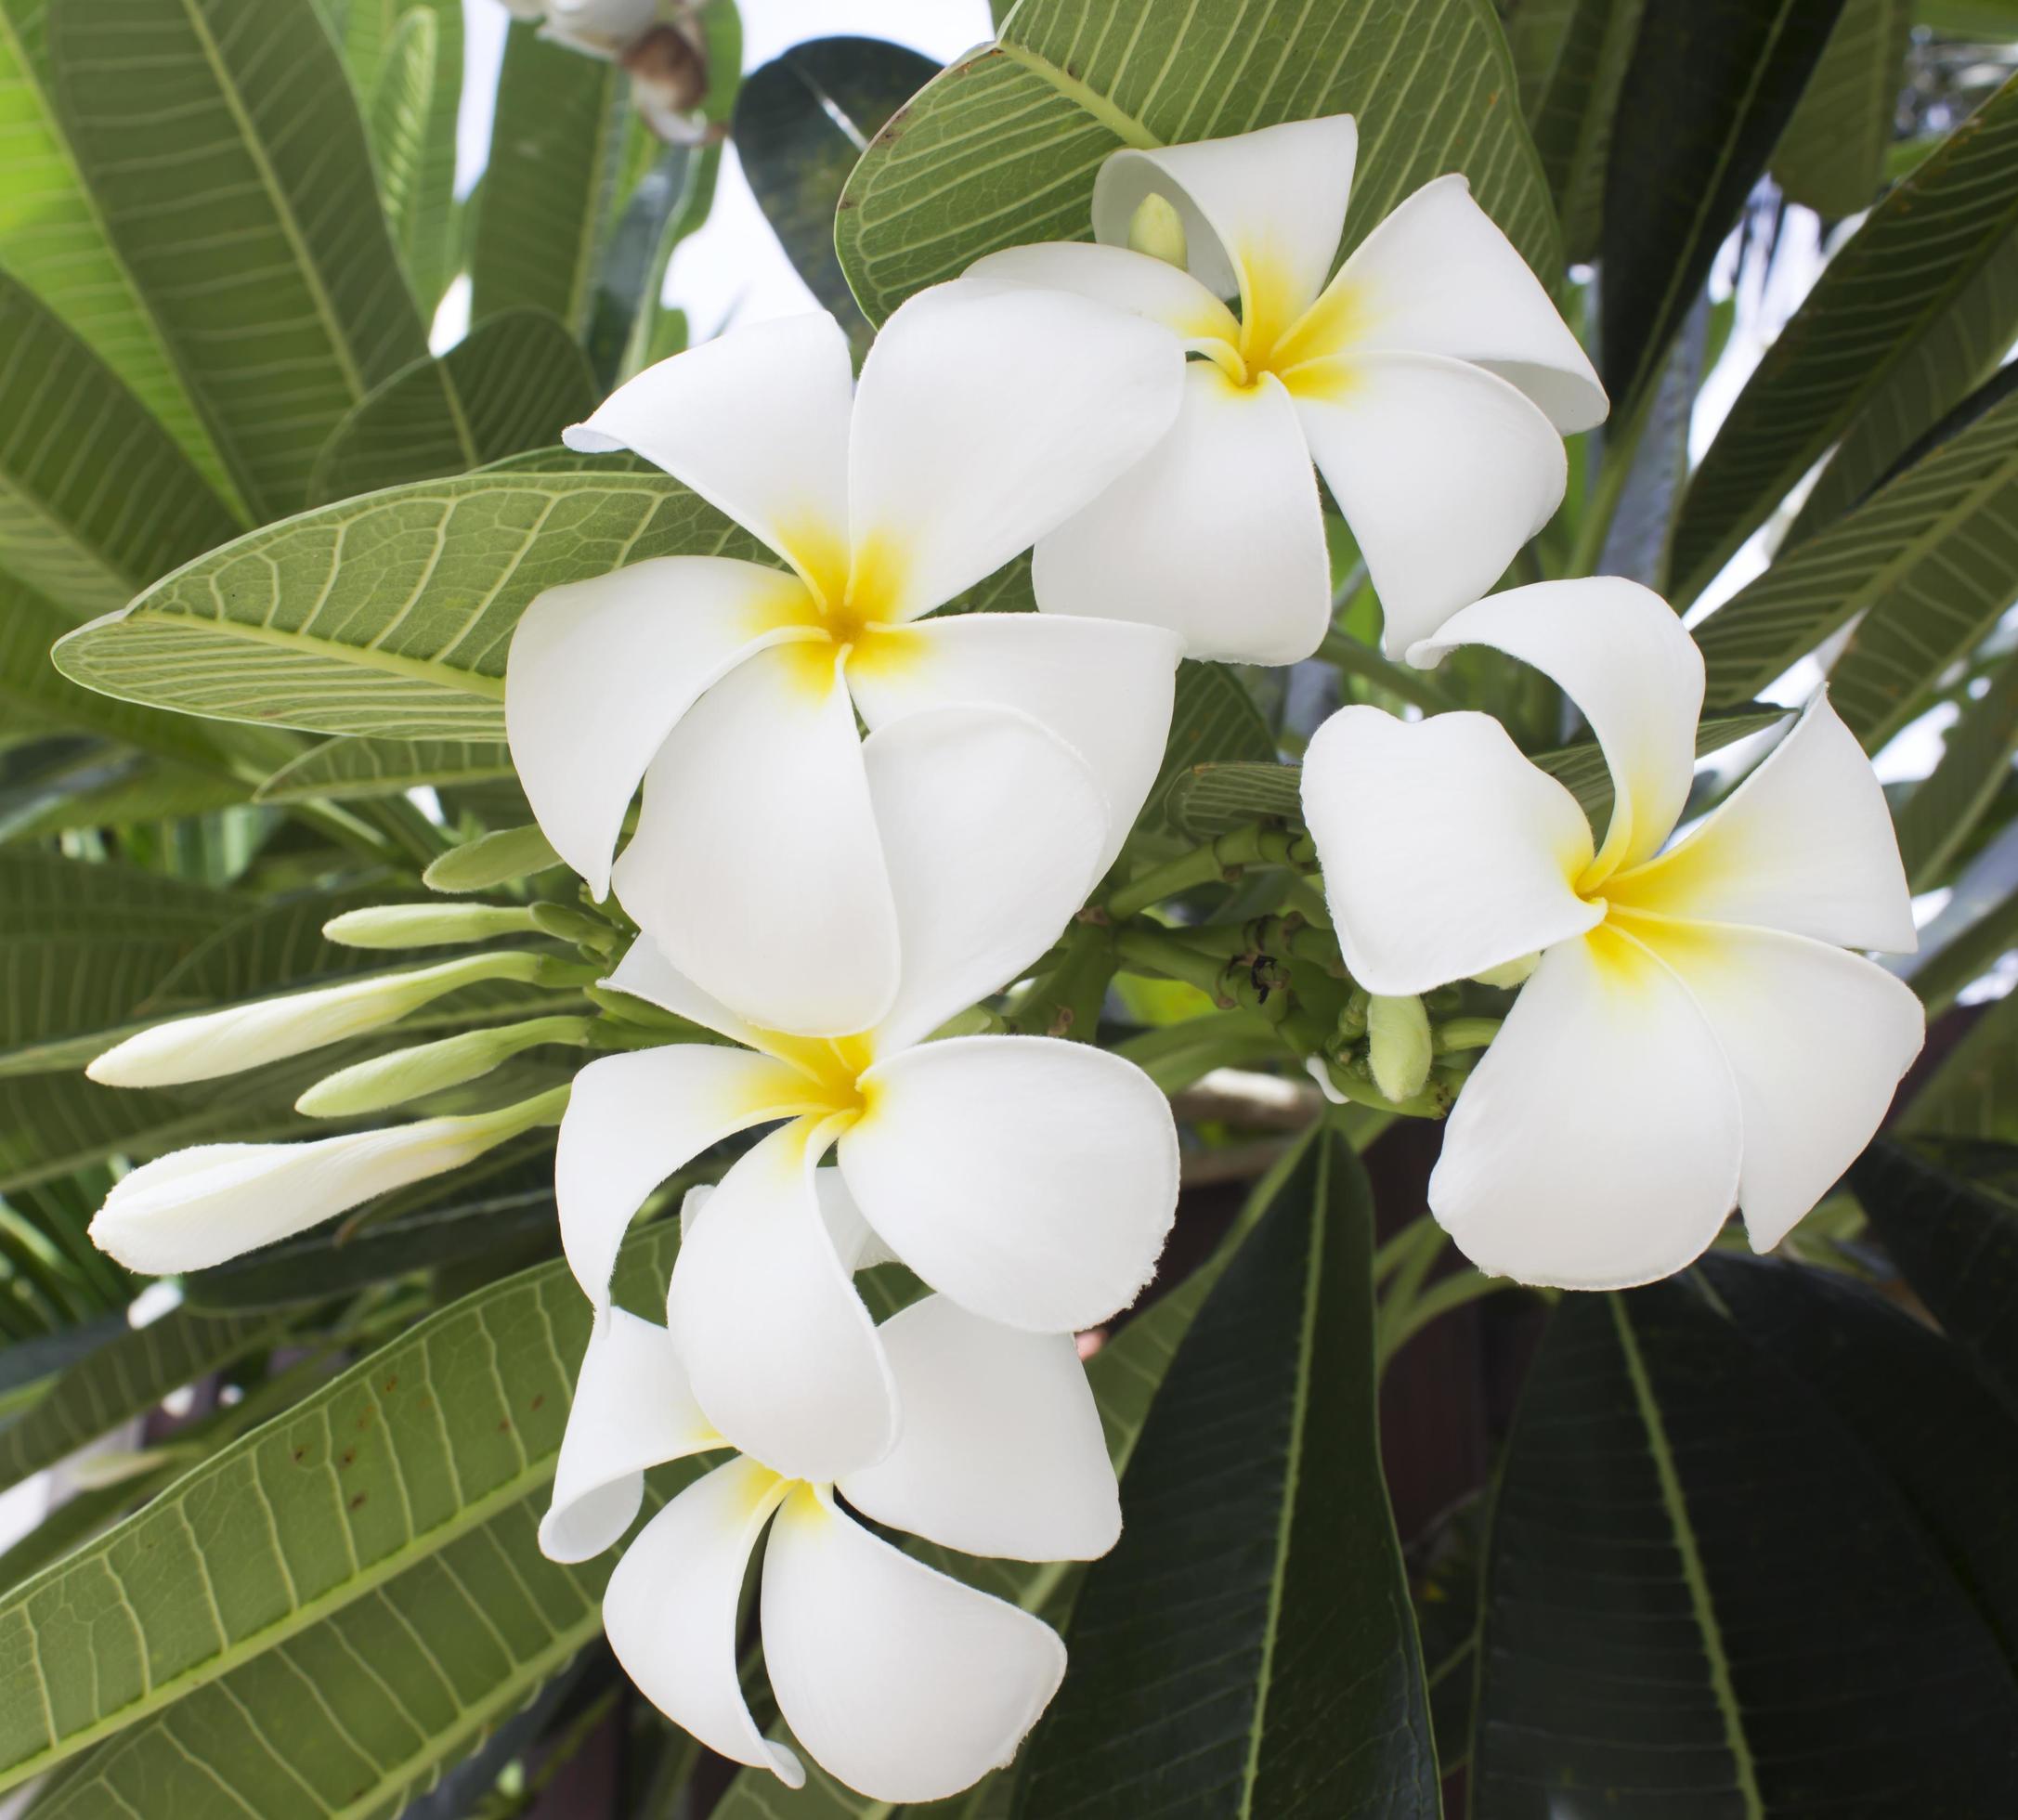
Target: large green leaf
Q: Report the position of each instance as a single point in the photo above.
(555, 142)
(1898, 326)
(1708, 91)
(390, 615)
(1215, 720)
(232, 171)
(412, 106)
(1947, 1212)
(96, 498)
(1930, 560)
(125, 1378)
(1248, 1648)
(1832, 155)
(1573, 58)
(800, 123)
(1973, 1091)
(1706, 1595)
(511, 384)
(1002, 148)
(53, 239)
(344, 769)
(1945, 805)
(425, 1442)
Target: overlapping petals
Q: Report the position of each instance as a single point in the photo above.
(730, 688)
(1695, 1035)
(902, 1682)
(1431, 380)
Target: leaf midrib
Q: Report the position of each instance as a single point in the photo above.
(1118, 120)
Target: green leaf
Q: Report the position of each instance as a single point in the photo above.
(53, 239)
(122, 1379)
(555, 142)
(1214, 719)
(1002, 148)
(96, 498)
(1973, 1090)
(406, 636)
(1948, 1215)
(1577, 51)
(1930, 560)
(1902, 321)
(425, 1442)
(1832, 155)
(1678, 1617)
(1248, 1647)
(514, 383)
(800, 123)
(412, 106)
(232, 170)
(1708, 91)
(349, 770)
(1945, 805)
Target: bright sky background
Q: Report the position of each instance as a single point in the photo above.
(734, 265)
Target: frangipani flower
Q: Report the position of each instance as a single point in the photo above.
(194, 1208)
(902, 1682)
(1029, 1179)
(1431, 380)
(1694, 1035)
(980, 424)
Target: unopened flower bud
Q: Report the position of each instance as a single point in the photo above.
(490, 860)
(1157, 229)
(1510, 973)
(1398, 1045)
(410, 1074)
(246, 1036)
(427, 925)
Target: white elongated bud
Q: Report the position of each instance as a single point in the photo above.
(410, 1074)
(244, 1036)
(1157, 229)
(427, 925)
(1398, 1045)
(194, 1208)
(1509, 973)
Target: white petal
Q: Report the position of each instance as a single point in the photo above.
(1623, 656)
(1032, 1181)
(1596, 1145)
(854, 1245)
(756, 865)
(755, 422)
(1001, 1452)
(1804, 844)
(1103, 686)
(672, 1606)
(1441, 470)
(1818, 1039)
(903, 1684)
(632, 1410)
(1218, 534)
(194, 1208)
(634, 1119)
(781, 1355)
(1262, 210)
(986, 419)
(1439, 277)
(1115, 275)
(601, 670)
(1445, 851)
(646, 974)
(993, 830)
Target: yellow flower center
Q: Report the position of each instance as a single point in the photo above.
(833, 1067)
(847, 604)
(1305, 346)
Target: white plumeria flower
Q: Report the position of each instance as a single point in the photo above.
(1431, 380)
(194, 1208)
(980, 424)
(602, 27)
(1031, 1180)
(1694, 1035)
(902, 1682)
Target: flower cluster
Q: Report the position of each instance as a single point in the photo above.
(870, 803)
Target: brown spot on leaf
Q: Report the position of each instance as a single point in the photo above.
(539, 1402)
(357, 1502)
(350, 1454)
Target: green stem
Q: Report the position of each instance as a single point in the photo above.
(1465, 1034)
(1601, 500)
(1217, 860)
(1143, 948)
(1064, 1000)
(1440, 1298)
(1361, 661)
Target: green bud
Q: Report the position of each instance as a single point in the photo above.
(410, 1074)
(490, 860)
(576, 925)
(1157, 229)
(426, 924)
(1508, 974)
(1398, 1045)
